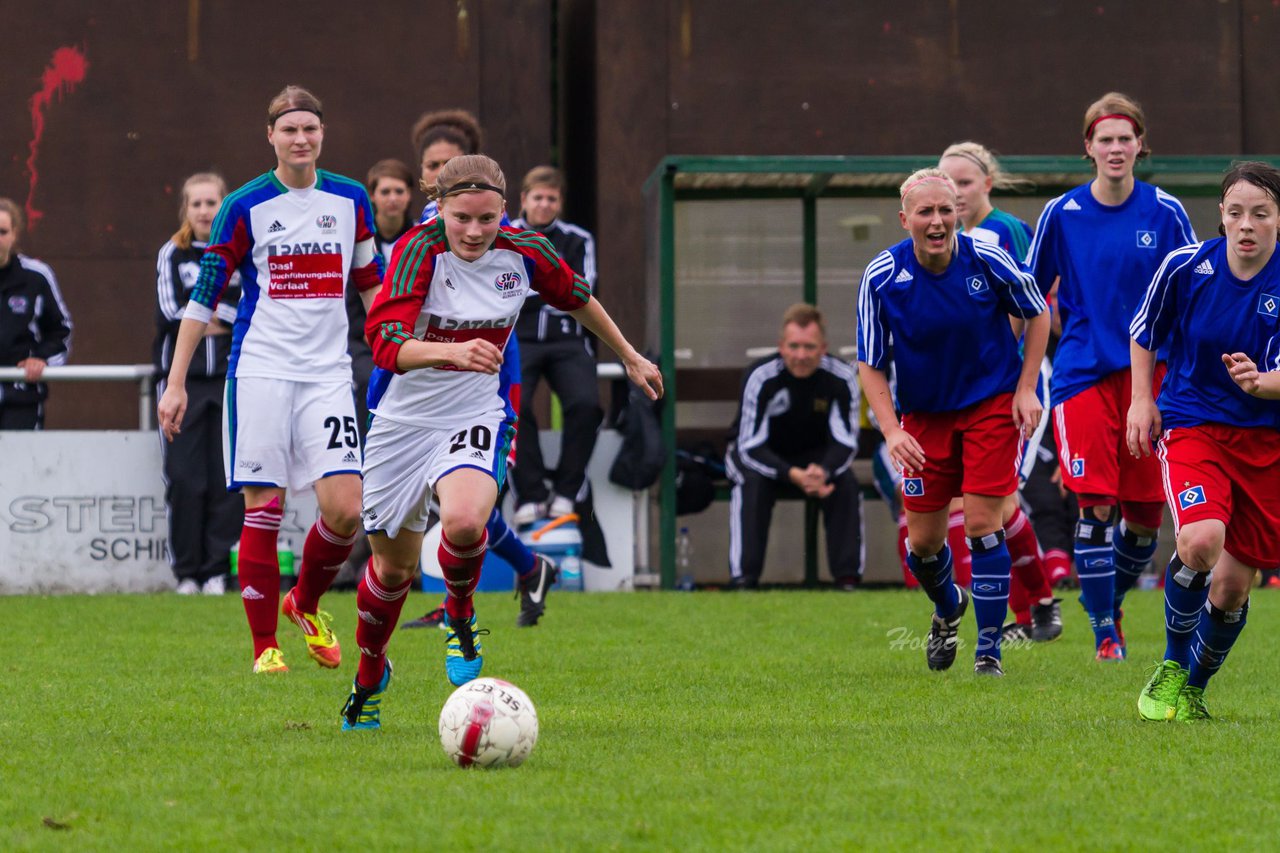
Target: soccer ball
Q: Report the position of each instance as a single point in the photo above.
(488, 722)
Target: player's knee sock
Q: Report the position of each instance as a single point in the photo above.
(259, 572)
(1131, 554)
(1019, 602)
(1215, 635)
(461, 567)
(378, 606)
(990, 588)
(1185, 594)
(323, 554)
(1097, 575)
(504, 542)
(1057, 564)
(1024, 551)
(934, 575)
(961, 564)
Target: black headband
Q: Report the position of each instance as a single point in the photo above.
(464, 186)
(977, 161)
(275, 118)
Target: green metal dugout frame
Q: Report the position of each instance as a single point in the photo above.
(807, 179)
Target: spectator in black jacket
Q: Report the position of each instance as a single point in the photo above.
(796, 433)
(35, 328)
(204, 518)
(554, 345)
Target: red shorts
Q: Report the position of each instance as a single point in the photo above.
(1092, 449)
(1231, 474)
(971, 451)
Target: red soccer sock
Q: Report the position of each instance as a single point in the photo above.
(322, 558)
(259, 572)
(1019, 603)
(1028, 566)
(1057, 564)
(379, 609)
(962, 560)
(461, 567)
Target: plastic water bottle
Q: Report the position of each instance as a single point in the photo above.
(684, 560)
(571, 569)
(285, 555)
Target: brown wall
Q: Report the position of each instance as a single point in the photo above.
(905, 77)
(155, 106)
(173, 88)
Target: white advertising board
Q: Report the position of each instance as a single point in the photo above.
(84, 512)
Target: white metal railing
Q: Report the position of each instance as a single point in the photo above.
(144, 374)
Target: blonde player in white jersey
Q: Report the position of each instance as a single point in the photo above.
(447, 306)
(296, 235)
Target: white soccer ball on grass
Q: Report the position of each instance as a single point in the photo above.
(488, 722)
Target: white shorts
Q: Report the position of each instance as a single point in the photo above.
(289, 434)
(403, 463)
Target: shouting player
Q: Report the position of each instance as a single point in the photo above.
(964, 392)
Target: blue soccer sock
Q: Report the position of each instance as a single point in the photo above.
(1215, 635)
(1095, 567)
(934, 575)
(1185, 593)
(990, 588)
(1131, 553)
(506, 544)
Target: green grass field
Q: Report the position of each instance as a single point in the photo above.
(768, 721)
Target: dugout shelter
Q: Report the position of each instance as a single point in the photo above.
(731, 241)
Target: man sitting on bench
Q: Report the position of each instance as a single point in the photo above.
(795, 436)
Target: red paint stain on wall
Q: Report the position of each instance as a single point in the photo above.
(66, 70)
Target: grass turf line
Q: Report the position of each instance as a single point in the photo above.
(777, 720)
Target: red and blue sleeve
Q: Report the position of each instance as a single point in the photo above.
(395, 309)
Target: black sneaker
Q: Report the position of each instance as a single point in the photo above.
(1015, 633)
(430, 619)
(987, 665)
(1046, 621)
(940, 651)
(533, 590)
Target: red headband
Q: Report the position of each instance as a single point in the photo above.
(1088, 134)
(918, 181)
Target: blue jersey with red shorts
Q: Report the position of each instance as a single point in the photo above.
(1220, 450)
(952, 343)
(1102, 257)
(1201, 310)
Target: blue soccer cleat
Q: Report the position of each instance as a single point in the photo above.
(361, 710)
(462, 658)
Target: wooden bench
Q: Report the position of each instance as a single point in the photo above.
(862, 472)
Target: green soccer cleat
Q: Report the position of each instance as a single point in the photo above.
(363, 707)
(1158, 701)
(462, 658)
(1191, 707)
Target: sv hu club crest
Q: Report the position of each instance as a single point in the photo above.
(507, 282)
